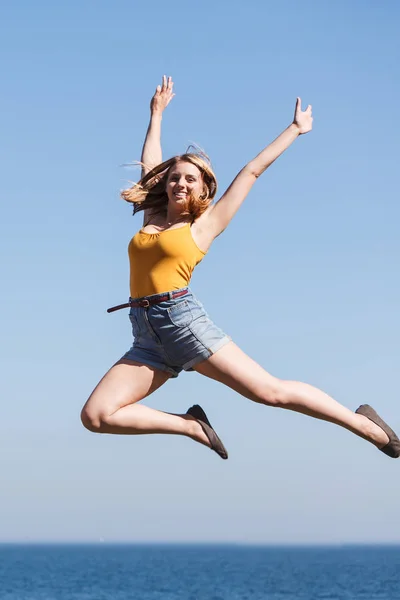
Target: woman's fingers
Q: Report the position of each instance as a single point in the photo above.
(163, 94)
(298, 110)
(303, 118)
(167, 85)
(170, 88)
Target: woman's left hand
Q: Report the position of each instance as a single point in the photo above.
(303, 119)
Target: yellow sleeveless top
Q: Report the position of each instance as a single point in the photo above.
(163, 261)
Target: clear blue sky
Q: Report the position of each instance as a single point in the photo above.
(305, 279)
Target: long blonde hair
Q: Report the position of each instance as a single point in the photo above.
(150, 193)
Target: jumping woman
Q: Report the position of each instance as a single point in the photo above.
(171, 328)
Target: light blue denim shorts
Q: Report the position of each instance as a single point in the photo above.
(173, 335)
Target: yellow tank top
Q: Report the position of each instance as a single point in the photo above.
(163, 261)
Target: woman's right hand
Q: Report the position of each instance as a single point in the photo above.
(163, 96)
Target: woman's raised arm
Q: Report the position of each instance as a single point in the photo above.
(152, 153)
(220, 214)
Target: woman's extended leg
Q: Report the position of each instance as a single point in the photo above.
(231, 366)
(111, 408)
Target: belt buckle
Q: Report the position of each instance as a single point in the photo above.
(145, 303)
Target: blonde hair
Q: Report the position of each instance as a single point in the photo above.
(150, 193)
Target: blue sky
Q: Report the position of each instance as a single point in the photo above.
(305, 279)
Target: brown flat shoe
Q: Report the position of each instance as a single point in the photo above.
(391, 449)
(198, 413)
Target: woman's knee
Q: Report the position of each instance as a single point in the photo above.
(92, 420)
(276, 394)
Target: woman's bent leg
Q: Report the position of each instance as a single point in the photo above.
(111, 408)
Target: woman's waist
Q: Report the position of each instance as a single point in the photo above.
(148, 300)
(157, 282)
(164, 296)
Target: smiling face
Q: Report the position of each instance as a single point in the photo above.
(184, 179)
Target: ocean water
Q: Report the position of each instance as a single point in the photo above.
(122, 572)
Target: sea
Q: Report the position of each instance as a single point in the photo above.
(197, 572)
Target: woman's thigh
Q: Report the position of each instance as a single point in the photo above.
(231, 366)
(125, 383)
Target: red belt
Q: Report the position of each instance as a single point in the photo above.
(146, 302)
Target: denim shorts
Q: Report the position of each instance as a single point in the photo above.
(173, 335)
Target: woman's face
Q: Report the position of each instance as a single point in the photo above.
(183, 179)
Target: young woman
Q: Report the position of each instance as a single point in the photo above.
(171, 329)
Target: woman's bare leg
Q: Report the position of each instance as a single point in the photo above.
(231, 366)
(111, 408)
